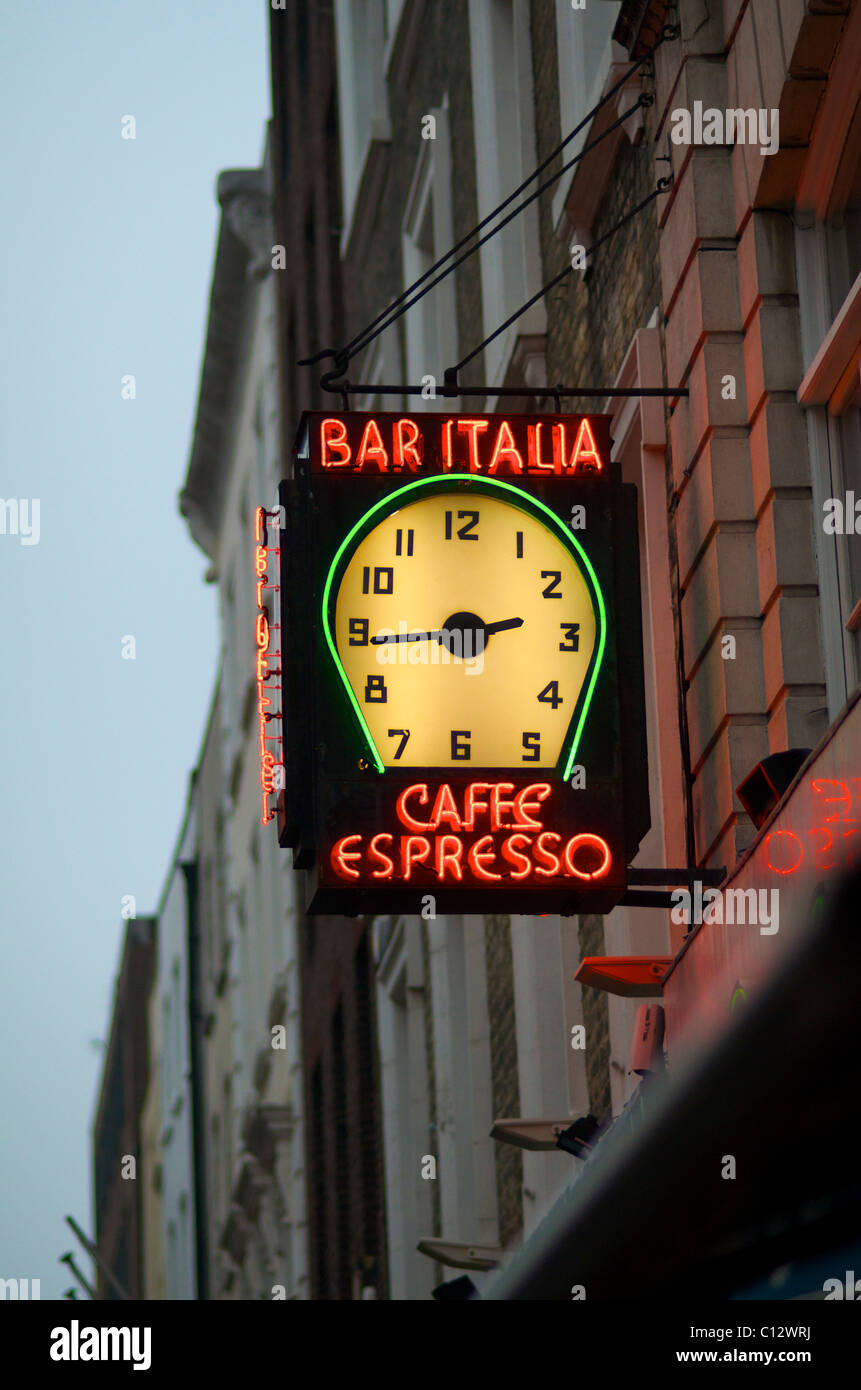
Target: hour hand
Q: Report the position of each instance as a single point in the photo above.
(383, 637)
(503, 625)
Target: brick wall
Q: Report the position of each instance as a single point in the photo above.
(741, 472)
(590, 324)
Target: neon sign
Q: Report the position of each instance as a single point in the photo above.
(491, 833)
(572, 446)
(462, 663)
(264, 672)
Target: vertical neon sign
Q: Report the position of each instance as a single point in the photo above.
(264, 671)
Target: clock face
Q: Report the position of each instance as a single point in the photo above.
(467, 625)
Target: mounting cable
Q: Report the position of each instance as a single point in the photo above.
(341, 356)
(365, 338)
(450, 378)
(452, 387)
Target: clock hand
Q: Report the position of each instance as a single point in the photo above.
(489, 628)
(503, 626)
(404, 637)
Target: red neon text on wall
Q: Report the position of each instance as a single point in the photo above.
(269, 764)
(835, 843)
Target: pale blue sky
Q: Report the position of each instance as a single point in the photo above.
(106, 250)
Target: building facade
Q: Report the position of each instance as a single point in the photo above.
(343, 1138)
(735, 283)
(329, 1092)
(121, 1218)
(249, 975)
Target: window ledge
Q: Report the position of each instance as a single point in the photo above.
(833, 376)
(582, 188)
(368, 190)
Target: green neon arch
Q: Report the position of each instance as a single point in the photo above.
(527, 503)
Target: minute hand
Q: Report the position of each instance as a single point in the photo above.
(503, 626)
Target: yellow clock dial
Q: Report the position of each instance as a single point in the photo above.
(466, 630)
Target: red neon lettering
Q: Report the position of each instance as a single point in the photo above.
(259, 513)
(388, 865)
(408, 452)
(790, 835)
(445, 809)
(340, 854)
(372, 449)
(504, 451)
(446, 445)
(477, 856)
(513, 855)
(822, 849)
(446, 856)
(410, 855)
(471, 805)
(261, 631)
(585, 450)
(498, 807)
(533, 441)
(544, 856)
(819, 784)
(333, 436)
(401, 807)
(262, 666)
(522, 807)
(260, 560)
(472, 428)
(594, 842)
(260, 587)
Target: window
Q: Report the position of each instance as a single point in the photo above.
(501, 58)
(405, 1102)
(585, 52)
(462, 1071)
(360, 40)
(428, 233)
(828, 264)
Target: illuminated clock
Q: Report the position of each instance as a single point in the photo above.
(467, 626)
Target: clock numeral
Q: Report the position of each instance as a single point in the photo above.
(358, 631)
(520, 545)
(550, 695)
(384, 579)
(399, 540)
(460, 751)
(464, 532)
(555, 577)
(531, 748)
(404, 733)
(375, 691)
(572, 635)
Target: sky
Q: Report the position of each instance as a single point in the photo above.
(106, 255)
